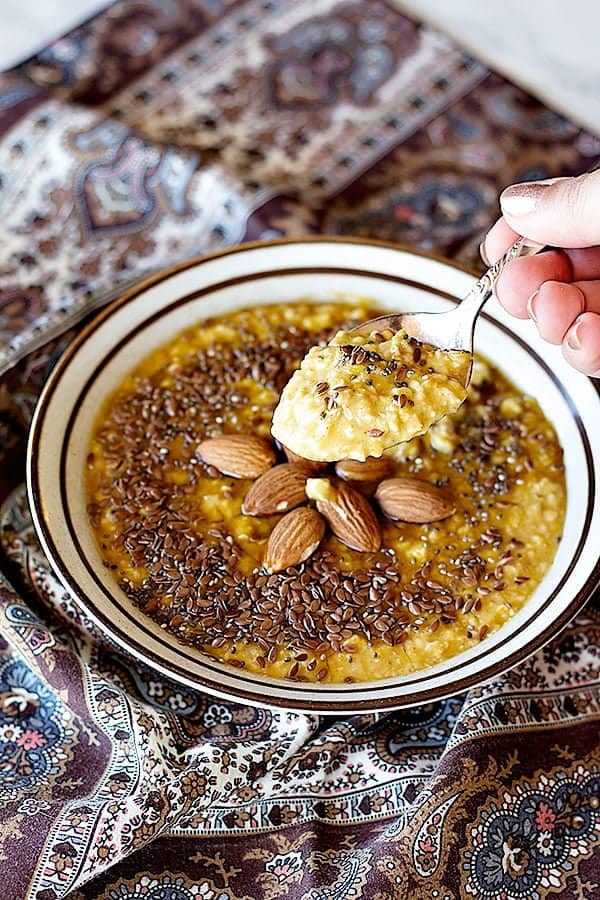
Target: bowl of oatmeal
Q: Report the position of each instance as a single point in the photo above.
(294, 574)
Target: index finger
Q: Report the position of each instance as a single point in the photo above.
(497, 241)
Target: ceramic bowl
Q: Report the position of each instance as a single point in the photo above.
(396, 279)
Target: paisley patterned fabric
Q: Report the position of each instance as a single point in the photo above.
(153, 132)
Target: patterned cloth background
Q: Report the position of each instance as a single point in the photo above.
(158, 130)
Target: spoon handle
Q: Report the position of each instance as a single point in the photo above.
(483, 288)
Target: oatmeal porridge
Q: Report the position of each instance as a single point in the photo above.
(344, 571)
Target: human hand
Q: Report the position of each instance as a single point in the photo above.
(558, 289)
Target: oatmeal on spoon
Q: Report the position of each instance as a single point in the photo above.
(362, 394)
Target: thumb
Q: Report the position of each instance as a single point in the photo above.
(562, 212)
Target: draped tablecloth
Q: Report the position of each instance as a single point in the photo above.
(158, 130)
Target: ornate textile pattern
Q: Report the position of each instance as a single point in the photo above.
(86, 202)
(302, 100)
(98, 58)
(438, 189)
(155, 131)
(277, 88)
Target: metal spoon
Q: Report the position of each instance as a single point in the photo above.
(452, 330)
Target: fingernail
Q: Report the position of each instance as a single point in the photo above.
(522, 199)
(483, 254)
(574, 335)
(531, 305)
(575, 340)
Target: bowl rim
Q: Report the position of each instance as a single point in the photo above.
(145, 654)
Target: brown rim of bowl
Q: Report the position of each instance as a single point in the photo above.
(310, 703)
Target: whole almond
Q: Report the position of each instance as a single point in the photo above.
(294, 539)
(312, 464)
(410, 499)
(278, 490)
(351, 517)
(372, 469)
(238, 455)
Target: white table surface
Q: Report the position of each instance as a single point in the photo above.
(549, 47)
(27, 26)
